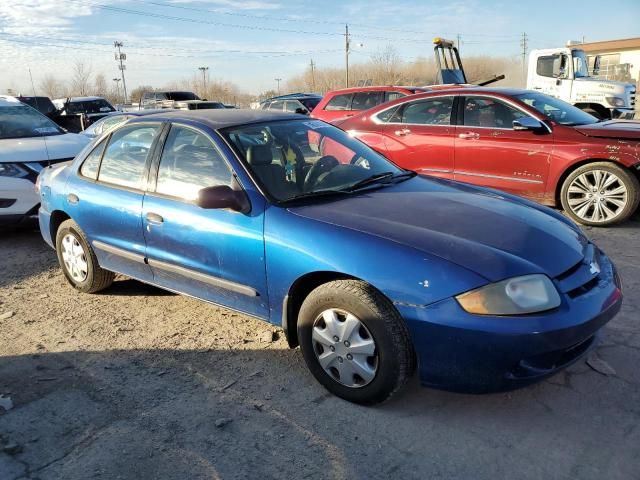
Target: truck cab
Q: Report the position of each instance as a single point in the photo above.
(564, 73)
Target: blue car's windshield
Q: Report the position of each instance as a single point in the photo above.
(295, 159)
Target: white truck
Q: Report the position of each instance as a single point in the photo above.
(563, 73)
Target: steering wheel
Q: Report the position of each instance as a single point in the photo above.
(324, 164)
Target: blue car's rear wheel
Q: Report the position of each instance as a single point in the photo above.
(354, 341)
(78, 260)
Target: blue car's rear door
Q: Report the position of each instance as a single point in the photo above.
(105, 198)
(216, 255)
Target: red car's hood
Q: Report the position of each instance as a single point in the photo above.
(612, 129)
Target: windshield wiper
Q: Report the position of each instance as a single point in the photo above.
(378, 179)
(316, 194)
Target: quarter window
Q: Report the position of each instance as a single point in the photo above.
(489, 113)
(91, 164)
(435, 111)
(126, 155)
(277, 105)
(189, 163)
(388, 96)
(339, 102)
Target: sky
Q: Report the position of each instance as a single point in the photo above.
(252, 42)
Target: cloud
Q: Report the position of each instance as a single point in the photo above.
(37, 16)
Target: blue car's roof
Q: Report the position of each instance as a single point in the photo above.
(220, 118)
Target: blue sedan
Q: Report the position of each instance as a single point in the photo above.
(369, 268)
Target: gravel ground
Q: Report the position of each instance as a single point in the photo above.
(138, 383)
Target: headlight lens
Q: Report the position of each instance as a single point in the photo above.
(514, 296)
(12, 170)
(615, 101)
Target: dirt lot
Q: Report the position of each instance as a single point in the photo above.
(140, 383)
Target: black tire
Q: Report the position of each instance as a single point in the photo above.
(395, 354)
(96, 277)
(629, 180)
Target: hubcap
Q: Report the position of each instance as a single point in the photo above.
(74, 258)
(597, 196)
(345, 348)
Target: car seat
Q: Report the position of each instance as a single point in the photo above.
(272, 176)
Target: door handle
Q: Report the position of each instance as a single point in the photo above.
(154, 218)
(469, 136)
(403, 132)
(72, 198)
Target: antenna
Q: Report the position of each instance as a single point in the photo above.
(44, 139)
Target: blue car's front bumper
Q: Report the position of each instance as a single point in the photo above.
(473, 353)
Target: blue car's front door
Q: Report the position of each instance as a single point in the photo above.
(105, 199)
(216, 255)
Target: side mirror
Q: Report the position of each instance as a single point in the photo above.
(527, 123)
(223, 196)
(302, 111)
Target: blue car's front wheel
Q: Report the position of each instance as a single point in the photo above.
(354, 341)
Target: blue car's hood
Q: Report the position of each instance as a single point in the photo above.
(492, 236)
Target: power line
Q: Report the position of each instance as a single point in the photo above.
(64, 43)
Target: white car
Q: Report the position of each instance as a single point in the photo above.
(29, 141)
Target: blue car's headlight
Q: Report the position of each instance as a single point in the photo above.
(514, 296)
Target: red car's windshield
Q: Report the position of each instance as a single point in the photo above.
(557, 110)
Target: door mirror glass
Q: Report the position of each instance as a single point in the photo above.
(527, 123)
(221, 197)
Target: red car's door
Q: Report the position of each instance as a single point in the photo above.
(419, 136)
(489, 152)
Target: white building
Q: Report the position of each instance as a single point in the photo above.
(619, 59)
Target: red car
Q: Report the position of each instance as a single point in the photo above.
(349, 101)
(519, 141)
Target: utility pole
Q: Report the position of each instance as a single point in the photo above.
(204, 71)
(120, 57)
(346, 55)
(523, 44)
(278, 80)
(117, 80)
(458, 37)
(313, 76)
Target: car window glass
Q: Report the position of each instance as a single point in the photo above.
(278, 105)
(435, 111)
(489, 113)
(388, 96)
(189, 163)
(111, 122)
(366, 100)
(91, 164)
(292, 106)
(339, 102)
(548, 65)
(124, 160)
(386, 115)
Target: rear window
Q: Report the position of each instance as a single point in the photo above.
(90, 106)
(339, 102)
(181, 96)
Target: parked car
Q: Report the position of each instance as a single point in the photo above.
(29, 141)
(168, 99)
(366, 266)
(91, 108)
(519, 141)
(113, 120)
(302, 103)
(349, 101)
(43, 104)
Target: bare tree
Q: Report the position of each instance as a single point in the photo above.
(81, 79)
(51, 87)
(136, 94)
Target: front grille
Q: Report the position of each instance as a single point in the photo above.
(583, 276)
